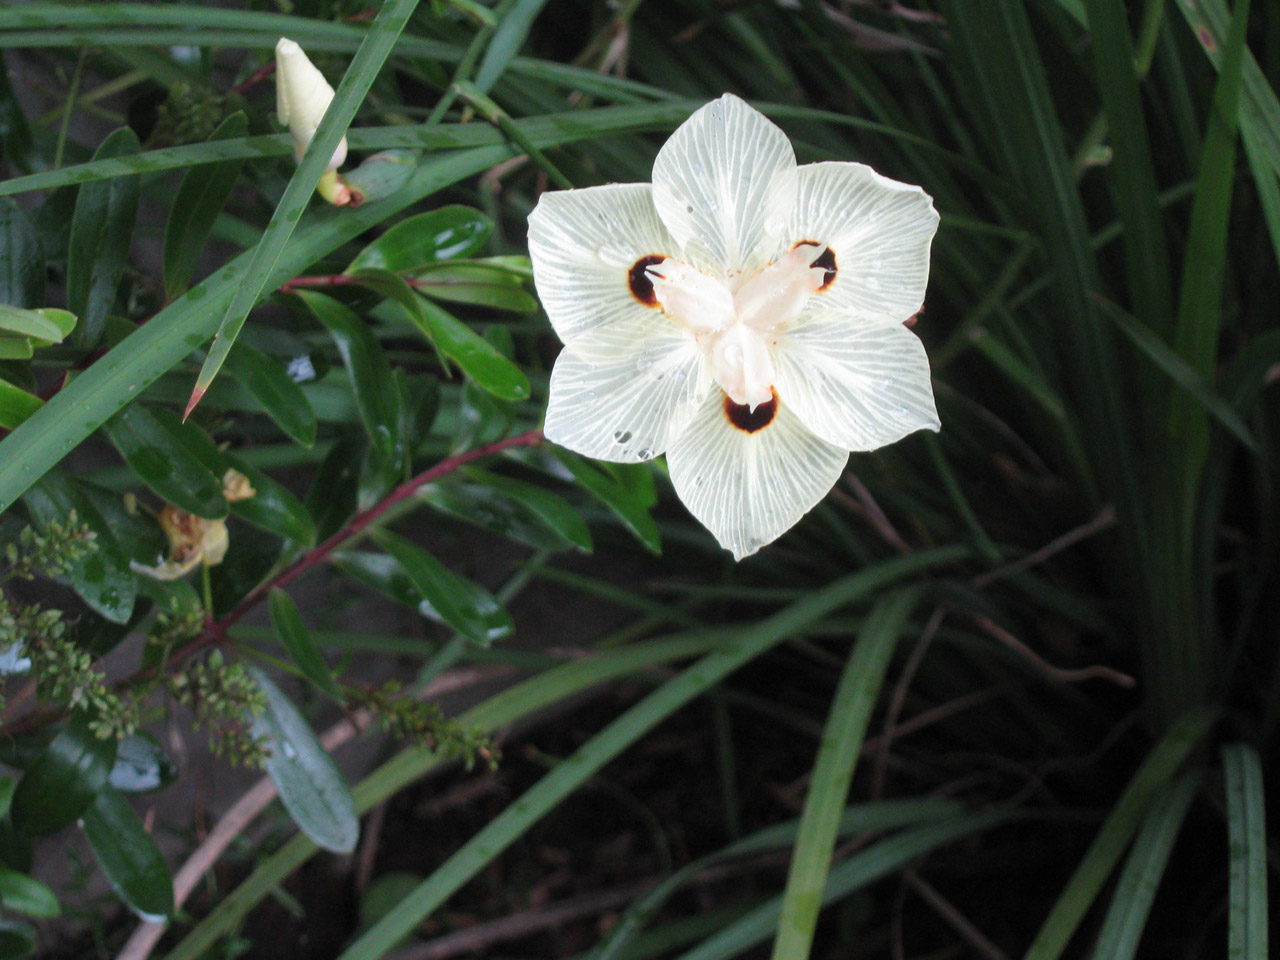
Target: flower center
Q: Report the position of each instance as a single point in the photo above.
(733, 325)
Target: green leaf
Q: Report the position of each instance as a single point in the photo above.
(381, 175)
(306, 655)
(28, 323)
(463, 604)
(478, 358)
(507, 40)
(476, 284)
(383, 573)
(272, 507)
(251, 556)
(101, 231)
(513, 508)
(1139, 882)
(15, 348)
(63, 780)
(310, 786)
(1247, 865)
(16, 404)
(23, 894)
(17, 939)
(284, 401)
(1164, 760)
(332, 497)
(129, 856)
(196, 206)
(367, 365)
(629, 505)
(141, 765)
(442, 234)
(842, 739)
(21, 259)
(102, 577)
(365, 67)
(158, 448)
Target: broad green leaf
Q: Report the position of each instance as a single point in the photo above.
(15, 348)
(196, 206)
(26, 895)
(28, 323)
(451, 337)
(129, 856)
(629, 505)
(21, 259)
(381, 175)
(477, 284)
(367, 365)
(272, 507)
(374, 49)
(64, 320)
(141, 765)
(252, 555)
(331, 501)
(846, 727)
(284, 401)
(16, 404)
(107, 386)
(102, 576)
(311, 788)
(152, 442)
(462, 603)
(510, 507)
(446, 233)
(297, 640)
(101, 232)
(63, 780)
(382, 572)
(17, 939)
(1247, 927)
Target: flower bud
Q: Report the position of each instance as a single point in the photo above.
(302, 97)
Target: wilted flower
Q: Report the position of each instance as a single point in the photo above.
(302, 97)
(741, 314)
(194, 540)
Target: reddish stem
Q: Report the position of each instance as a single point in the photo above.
(264, 71)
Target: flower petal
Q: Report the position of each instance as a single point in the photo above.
(750, 488)
(583, 244)
(879, 231)
(724, 184)
(858, 384)
(623, 392)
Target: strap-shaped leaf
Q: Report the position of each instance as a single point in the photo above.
(1247, 927)
(23, 894)
(169, 457)
(102, 576)
(629, 505)
(297, 640)
(477, 284)
(463, 604)
(129, 856)
(280, 396)
(365, 67)
(273, 506)
(446, 233)
(16, 404)
(101, 231)
(63, 780)
(196, 205)
(510, 507)
(311, 788)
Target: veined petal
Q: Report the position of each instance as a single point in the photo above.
(584, 244)
(625, 391)
(878, 230)
(858, 384)
(724, 184)
(748, 488)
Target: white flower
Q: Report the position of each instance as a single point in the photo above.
(302, 97)
(742, 315)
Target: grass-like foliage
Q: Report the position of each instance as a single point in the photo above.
(1032, 659)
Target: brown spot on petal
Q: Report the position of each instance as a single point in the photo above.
(639, 282)
(826, 260)
(747, 420)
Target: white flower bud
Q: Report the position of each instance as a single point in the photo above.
(302, 97)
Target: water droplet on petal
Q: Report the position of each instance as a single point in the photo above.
(621, 436)
(644, 453)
